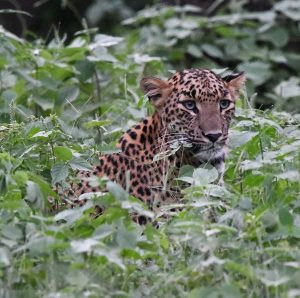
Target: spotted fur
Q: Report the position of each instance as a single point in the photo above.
(189, 126)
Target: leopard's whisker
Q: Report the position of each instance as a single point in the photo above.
(168, 143)
(171, 135)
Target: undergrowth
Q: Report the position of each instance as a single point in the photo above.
(60, 105)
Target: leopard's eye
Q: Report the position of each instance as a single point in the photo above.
(189, 104)
(224, 103)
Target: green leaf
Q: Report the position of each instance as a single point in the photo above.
(67, 95)
(44, 135)
(12, 232)
(272, 278)
(62, 153)
(269, 221)
(59, 172)
(239, 138)
(44, 186)
(78, 163)
(103, 40)
(285, 217)
(278, 35)
(86, 69)
(230, 291)
(5, 257)
(97, 123)
(207, 292)
(288, 89)
(117, 191)
(257, 71)
(289, 8)
(126, 238)
(212, 50)
(72, 215)
(290, 175)
(204, 176)
(34, 195)
(40, 245)
(84, 245)
(201, 176)
(194, 51)
(140, 59)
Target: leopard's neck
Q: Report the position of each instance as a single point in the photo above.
(143, 139)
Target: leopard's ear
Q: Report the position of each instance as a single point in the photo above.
(155, 89)
(235, 82)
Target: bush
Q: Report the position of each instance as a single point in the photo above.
(62, 104)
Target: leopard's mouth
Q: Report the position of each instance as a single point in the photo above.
(197, 148)
(203, 147)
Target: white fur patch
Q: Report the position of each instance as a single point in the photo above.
(211, 154)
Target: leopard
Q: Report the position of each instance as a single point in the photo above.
(193, 110)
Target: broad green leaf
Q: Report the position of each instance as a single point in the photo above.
(67, 95)
(290, 175)
(42, 134)
(204, 176)
(84, 245)
(86, 69)
(194, 51)
(217, 191)
(97, 123)
(257, 71)
(285, 217)
(117, 191)
(290, 8)
(239, 138)
(62, 153)
(139, 58)
(112, 255)
(59, 172)
(5, 257)
(201, 176)
(33, 195)
(40, 245)
(103, 40)
(207, 292)
(126, 238)
(137, 207)
(288, 89)
(269, 221)
(103, 231)
(272, 278)
(78, 163)
(277, 35)
(44, 103)
(72, 215)
(212, 50)
(230, 291)
(12, 232)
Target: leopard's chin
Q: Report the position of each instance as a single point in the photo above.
(209, 152)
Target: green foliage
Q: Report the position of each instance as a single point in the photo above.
(263, 44)
(62, 104)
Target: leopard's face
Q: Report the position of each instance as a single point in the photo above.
(196, 107)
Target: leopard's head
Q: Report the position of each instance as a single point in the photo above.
(196, 107)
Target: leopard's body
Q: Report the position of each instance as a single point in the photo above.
(193, 110)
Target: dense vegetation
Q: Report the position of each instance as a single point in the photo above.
(63, 103)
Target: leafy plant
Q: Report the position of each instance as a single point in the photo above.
(61, 104)
(260, 43)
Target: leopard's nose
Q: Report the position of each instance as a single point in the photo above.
(213, 137)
